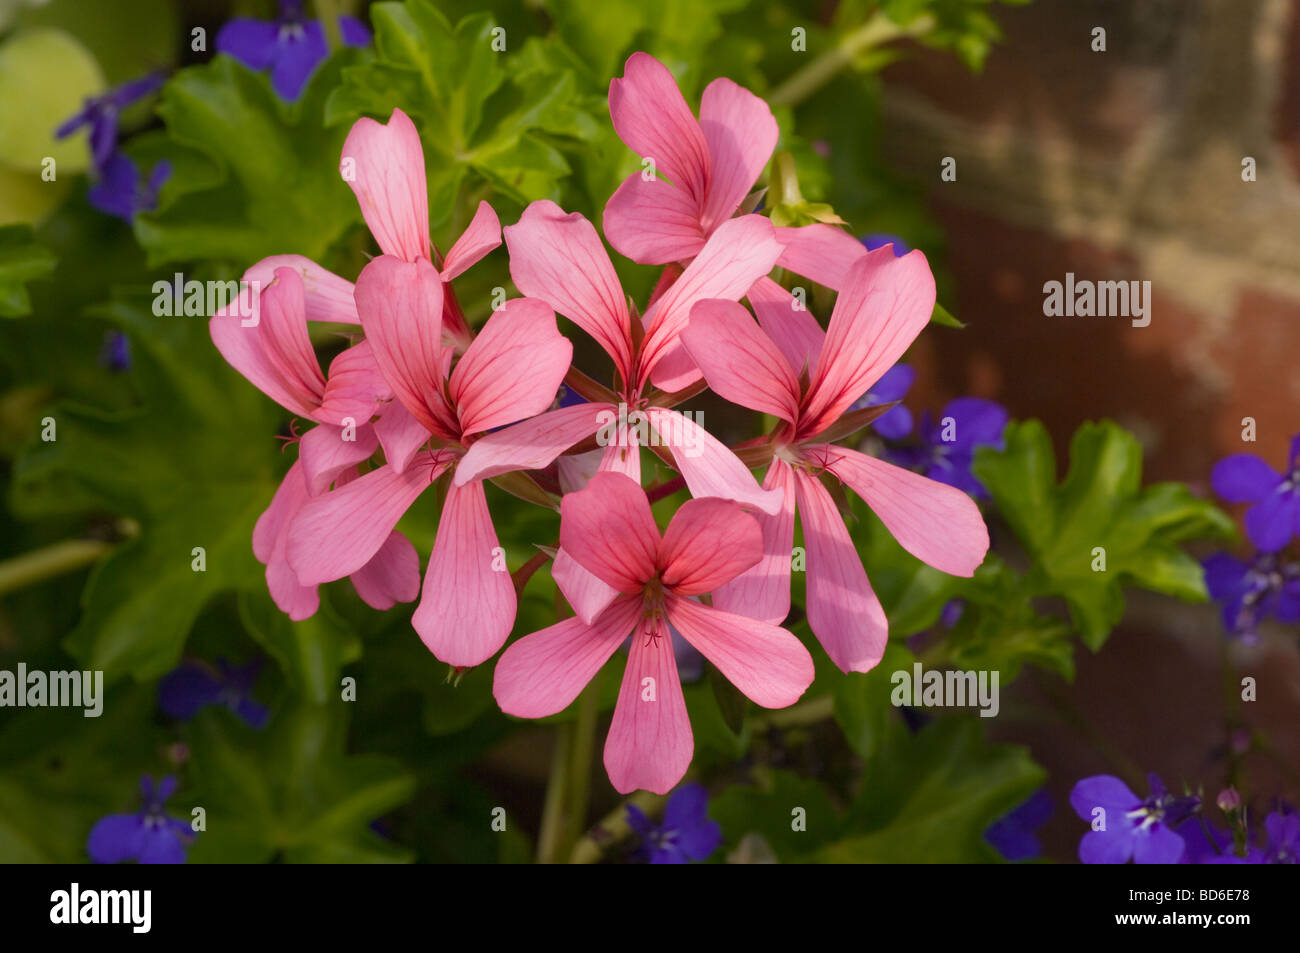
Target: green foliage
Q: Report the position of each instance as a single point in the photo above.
(21, 261)
(1100, 511)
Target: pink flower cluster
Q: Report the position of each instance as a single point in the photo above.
(435, 399)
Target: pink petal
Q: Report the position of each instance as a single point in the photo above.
(707, 464)
(325, 453)
(675, 369)
(767, 663)
(576, 469)
(544, 672)
(653, 222)
(512, 369)
(483, 235)
(390, 184)
(623, 453)
(653, 120)
(391, 576)
(584, 591)
(884, 305)
(269, 540)
(275, 355)
(400, 434)
(822, 253)
(739, 252)
(609, 530)
(794, 329)
(326, 296)
(936, 523)
(559, 258)
(529, 444)
(468, 606)
(741, 133)
(338, 532)
(401, 310)
(708, 543)
(740, 362)
(764, 591)
(649, 745)
(354, 388)
(843, 611)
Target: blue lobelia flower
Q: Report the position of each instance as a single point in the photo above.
(1283, 844)
(291, 46)
(194, 685)
(881, 239)
(1013, 835)
(1206, 845)
(1245, 478)
(100, 114)
(1137, 828)
(115, 352)
(686, 833)
(895, 423)
(1250, 592)
(119, 191)
(149, 836)
(947, 448)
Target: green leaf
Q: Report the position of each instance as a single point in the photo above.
(1098, 530)
(472, 115)
(278, 188)
(776, 809)
(192, 464)
(310, 652)
(944, 317)
(862, 701)
(929, 797)
(21, 261)
(289, 791)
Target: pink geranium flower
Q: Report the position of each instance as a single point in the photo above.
(609, 530)
(559, 259)
(885, 303)
(508, 372)
(276, 356)
(711, 166)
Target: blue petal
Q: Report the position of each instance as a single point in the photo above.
(162, 846)
(700, 841)
(69, 126)
(1157, 845)
(116, 838)
(881, 239)
(978, 422)
(1269, 522)
(1243, 478)
(114, 193)
(687, 807)
(893, 384)
(297, 58)
(667, 855)
(354, 32)
(894, 424)
(1224, 576)
(166, 788)
(1013, 841)
(187, 689)
(252, 42)
(1102, 790)
(136, 89)
(253, 714)
(103, 139)
(637, 820)
(1111, 846)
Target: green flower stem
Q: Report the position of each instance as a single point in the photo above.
(548, 838)
(584, 744)
(329, 11)
(55, 560)
(875, 32)
(613, 828)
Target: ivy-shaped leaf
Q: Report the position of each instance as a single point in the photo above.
(191, 464)
(1099, 529)
(277, 189)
